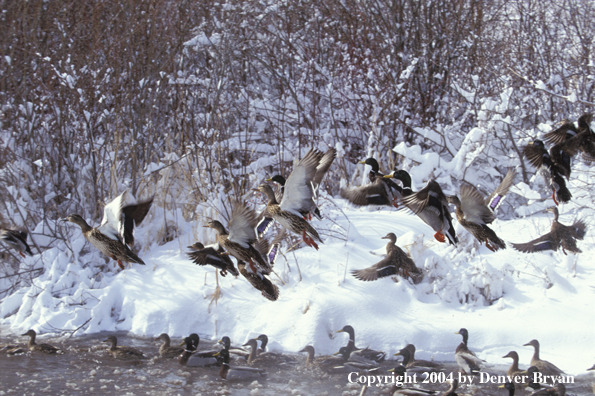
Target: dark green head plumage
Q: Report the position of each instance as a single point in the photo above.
(403, 176)
(373, 163)
(277, 179)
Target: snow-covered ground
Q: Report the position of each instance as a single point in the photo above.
(505, 299)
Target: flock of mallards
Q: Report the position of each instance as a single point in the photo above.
(349, 359)
(294, 203)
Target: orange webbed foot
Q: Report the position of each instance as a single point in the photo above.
(554, 197)
(440, 237)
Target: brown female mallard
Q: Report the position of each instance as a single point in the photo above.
(287, 213)
(325, 363)
(410, 362)
(396, 262)
(560, 236)
(190, 357)
(544, 367)
(258, 356)
(114, 236)
(324, 163)
(239, 241)
(123, 352)
(166, 350)
(474, 215)
(212, 255)
(465, 358)
(269, 251)
(380, 191)
(514, 371)
(430, 204)
(45, 348)
(16, 240)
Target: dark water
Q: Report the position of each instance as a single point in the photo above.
(87, 369)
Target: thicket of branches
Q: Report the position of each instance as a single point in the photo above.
(200, 100)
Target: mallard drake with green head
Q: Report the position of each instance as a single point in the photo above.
(380, 191)
(371, 354)
(288, 216)
(560, 235)
(324, 163)
(396, 262)
(123, 352)
(430, 204)
(410, 362)
(544, 367)
(194, 338)
(556, 161)
(190, 357)
(166, 350)
(514, 371)
(212, 255)
(474, 215)
(508, 386)
(45, 348)
(16, 240)
(115, 234)
(230, 373)
(239, 241)
(226, 343)
(465, 358)
(530, 373)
